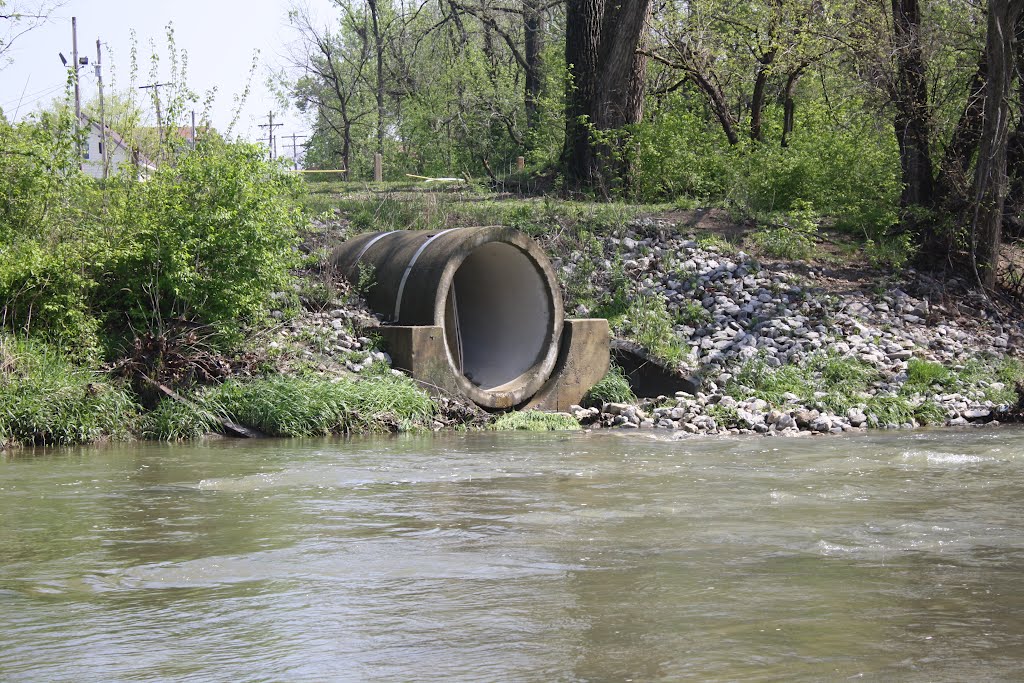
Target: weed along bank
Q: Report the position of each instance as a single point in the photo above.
(478, 312)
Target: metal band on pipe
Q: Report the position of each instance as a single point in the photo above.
(408, 269)
(372, 242)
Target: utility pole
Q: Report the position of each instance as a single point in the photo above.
(103, 113)
(156, 96)
(193, 129)
(74, 68)
(270, 126)
(295, 156)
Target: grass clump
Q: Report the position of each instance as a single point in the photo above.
(759, 380)
(825, 380)
(930, 413)
(175, 421)
(888, 410)
(712, 242)
(300, 406)
(613, 388)
(535, 421)
(649, 323)
(922, 375)
(693, 313)
(793, 237)
(47, 401)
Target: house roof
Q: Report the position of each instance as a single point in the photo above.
(118, 141)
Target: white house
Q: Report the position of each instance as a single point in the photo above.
(118, 152)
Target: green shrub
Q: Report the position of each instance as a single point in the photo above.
(205, 240)
(534, 421)
(48, 234)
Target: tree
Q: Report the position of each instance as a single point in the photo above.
(336, 83)
(18, 18)
(990, 179)
(910, 97)
(605, 90)
(715, 44)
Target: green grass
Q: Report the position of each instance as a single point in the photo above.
(930, 413)
(843, 381)
(889, 410)
(410, 205)
(648, 322)
(534, 421)
(922, 375)
(996, 379)
(722, 245)
(613, 388)
(300, 406)
(174, 421)
(693, 314)
(47, 401)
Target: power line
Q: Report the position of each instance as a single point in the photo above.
(156, 97)
(271, 138)
(295, 156)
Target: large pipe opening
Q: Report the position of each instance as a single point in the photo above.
(498, 316)
(491, 291)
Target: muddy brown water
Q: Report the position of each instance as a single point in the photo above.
(517, 557)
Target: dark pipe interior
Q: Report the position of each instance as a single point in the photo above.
(498, 315)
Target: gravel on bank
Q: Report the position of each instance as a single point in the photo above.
(740, 317)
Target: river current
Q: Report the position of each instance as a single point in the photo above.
(517, 557)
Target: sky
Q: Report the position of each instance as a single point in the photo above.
(220, 37)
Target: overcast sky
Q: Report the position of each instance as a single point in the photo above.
(220, 37)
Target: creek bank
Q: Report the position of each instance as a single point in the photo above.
(775, 347)
(793, 348)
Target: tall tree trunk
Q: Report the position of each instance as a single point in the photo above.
(533, 31)
(990, 181)
(789, 103)
(582, 40)
(757, 100)
(607, 88)
(912, 126)
(378, 42)
(1015, 153)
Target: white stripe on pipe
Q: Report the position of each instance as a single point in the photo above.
(372, 242)
(408, 269)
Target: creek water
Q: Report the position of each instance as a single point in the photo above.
(517, 557)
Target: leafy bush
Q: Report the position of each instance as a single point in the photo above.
(206, 240)
(47, 239)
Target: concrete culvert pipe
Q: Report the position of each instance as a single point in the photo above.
(491, 289)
